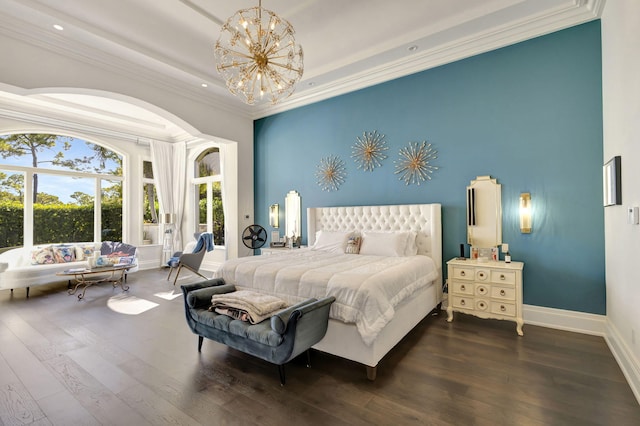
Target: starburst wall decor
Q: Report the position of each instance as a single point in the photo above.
(331, 173)
(368, 151)
(414, 165)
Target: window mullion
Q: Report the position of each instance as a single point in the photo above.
(28, 221)
(97, 211)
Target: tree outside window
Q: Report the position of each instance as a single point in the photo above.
(63, 175)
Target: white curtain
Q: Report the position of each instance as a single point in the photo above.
(169, 173)
(223, 191)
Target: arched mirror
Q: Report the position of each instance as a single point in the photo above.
(484, 212)
(292, 214)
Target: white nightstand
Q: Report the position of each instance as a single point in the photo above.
(486, 289)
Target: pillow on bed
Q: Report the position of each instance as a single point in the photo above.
(331, 241)
(412, 247)
(393, 244)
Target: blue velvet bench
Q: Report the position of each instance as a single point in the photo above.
(278, 340)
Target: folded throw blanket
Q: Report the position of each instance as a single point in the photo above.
(258, 306)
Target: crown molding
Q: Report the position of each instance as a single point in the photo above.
(555, 20)
(171, 79)
(166, 75)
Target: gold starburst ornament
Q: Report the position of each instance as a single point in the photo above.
(414, 165)
(368, 151)
(331, 173)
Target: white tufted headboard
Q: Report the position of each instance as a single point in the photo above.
(425, 219)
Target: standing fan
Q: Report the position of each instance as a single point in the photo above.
(254, 236)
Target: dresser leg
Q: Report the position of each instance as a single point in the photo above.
(449, 313)
(519, 325)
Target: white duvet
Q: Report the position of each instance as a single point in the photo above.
(366, 288)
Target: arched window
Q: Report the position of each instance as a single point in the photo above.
(208, 189)
(48, 187)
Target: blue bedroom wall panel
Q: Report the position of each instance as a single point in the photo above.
(529, 115)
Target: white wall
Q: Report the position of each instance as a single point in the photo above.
(29, 67)
(621, 109)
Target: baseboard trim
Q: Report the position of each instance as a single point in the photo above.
(624, 356)
(578, 322)
(597, 325)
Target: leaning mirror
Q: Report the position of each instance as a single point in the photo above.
(292, 214)
(484, 212)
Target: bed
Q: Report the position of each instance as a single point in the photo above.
(381, 293)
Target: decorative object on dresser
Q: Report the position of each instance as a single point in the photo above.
(486, 290)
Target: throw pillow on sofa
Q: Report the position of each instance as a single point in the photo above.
(64, 253)
(85, 251)
(42, 256)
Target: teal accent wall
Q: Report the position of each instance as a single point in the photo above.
(529, 115)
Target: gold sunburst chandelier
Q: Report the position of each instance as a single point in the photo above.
(258, 56)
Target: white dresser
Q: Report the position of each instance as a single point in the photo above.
(486, 289)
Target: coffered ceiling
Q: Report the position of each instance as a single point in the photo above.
(348, 44)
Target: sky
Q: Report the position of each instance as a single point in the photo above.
(62, 186)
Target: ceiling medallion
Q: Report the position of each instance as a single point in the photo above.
(414, 164)
(258, 57)
(368, 152)
(331, 173)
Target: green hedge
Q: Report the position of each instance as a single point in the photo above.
(58, 223)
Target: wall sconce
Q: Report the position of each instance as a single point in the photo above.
(274, 215)
(525, 213)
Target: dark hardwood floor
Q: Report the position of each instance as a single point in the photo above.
(70, 362)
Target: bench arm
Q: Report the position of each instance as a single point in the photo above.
(198, 295)
(280, 320)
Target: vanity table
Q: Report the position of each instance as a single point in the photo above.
(485, 287)
(490, 289)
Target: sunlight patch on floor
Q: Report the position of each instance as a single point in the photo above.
(168, 295)
(129, 305)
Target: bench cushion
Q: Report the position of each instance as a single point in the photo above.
(261, 332)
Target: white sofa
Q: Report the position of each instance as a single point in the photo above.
(19, 267)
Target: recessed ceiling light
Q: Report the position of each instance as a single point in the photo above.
(412, 48)
(58, 27)
(204, 85)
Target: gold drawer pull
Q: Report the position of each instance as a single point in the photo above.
(462, 288)
(503, 308)
(481, 274)
(462, 302)
(482, 290)
(502, 277)
(462, 273)
(502, 292)
(481, 305)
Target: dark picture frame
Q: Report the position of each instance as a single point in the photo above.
(611, 180)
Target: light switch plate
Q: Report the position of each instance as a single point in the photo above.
(632, 216)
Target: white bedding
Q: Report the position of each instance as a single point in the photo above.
(366, 288)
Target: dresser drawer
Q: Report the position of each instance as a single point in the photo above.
(500, 308)
(503, 277)
(482, 289)
(462, 288)
(462, 302)
(481, 305)
(460, 273)
(503, 293)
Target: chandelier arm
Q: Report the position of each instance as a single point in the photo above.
(285, 66)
